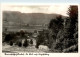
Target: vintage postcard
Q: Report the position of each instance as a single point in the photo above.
(40, 30)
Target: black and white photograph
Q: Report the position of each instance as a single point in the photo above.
(39, 28)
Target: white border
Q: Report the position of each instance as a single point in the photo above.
(50, 54)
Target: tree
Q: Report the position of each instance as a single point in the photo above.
(40, 39)
(73, 14)
(70, 27)
(56, 23)
(31, 41)
(55, 26)
(25, 43)
(11, 43)
(19, 44)
(8, 37)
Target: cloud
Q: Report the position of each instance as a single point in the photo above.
(59, 9)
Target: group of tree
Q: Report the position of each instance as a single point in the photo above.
(19, 43)
(14, 36)
(11, 38)
(63, 33)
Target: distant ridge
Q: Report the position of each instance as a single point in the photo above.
(15, 19)
(28, 18)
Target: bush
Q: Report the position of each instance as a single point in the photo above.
(19, 44)
(7, 38)
(11, 43)
(59, 46)
(25, 43)
(37, 45)
(73, 48)
(31, 41)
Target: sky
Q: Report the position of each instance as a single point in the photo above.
(49, 9)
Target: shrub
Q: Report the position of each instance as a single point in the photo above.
(25, 43)
(58, 46)
(31, 41)
(19, 44)
(11, 43)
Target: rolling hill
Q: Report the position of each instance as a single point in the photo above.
(15, 19)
